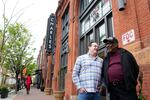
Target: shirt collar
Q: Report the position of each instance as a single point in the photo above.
(94, 58)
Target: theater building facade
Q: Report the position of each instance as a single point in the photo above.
(79, 21)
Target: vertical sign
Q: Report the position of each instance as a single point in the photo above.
(51, 29)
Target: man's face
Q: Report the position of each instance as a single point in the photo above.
(93, 48)
(110, 46)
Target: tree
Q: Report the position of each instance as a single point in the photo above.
(14, 43)
(15, 15)
(3, 29)
(18, 50)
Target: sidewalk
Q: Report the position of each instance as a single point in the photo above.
(35, 94)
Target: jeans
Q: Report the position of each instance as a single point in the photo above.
(89, 96)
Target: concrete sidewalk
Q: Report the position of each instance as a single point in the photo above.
(35, 94)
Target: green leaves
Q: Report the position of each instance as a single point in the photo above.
(17, 50)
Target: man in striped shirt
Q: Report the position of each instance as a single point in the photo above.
(87, 74)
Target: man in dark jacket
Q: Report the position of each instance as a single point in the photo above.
(120, 71)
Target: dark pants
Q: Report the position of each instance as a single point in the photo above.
(119, 92)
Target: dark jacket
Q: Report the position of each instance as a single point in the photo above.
(130, 69)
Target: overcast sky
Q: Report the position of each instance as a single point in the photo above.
(34, 14)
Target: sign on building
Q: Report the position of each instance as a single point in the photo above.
(128, 37)
(51, 29)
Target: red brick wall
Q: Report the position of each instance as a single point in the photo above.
(55, 79)
(72, 42)
(136, 16)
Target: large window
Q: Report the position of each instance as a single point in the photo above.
(89, 37)
(65, 28)
(100, 10)
(101, 33)
(110, 25)
(64, 61)
(82, 46)
(96, 23)
(84, 4)
(64, 49)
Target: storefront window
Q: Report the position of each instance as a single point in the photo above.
(82, 46)
(64, 49)
(96, 13)
(103, 7)
(110, 26)
(96, 24)
(89, 37)
(65, 28)
(82, 27)
(64, 61)
(87, 24)
(101, 33)
(84, 4)
(106, 6)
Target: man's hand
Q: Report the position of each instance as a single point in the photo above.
(102, 88)
(82, 90)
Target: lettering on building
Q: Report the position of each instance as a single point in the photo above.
(50, 34)
(128, 37)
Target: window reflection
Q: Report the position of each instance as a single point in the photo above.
(90, 37)
(82, 46)
(102, 33)
(97, 12)
(84, 4)
(87, 24)
(106, 6)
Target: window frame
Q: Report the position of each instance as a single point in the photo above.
(93, 28)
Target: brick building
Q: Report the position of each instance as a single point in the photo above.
(79, 21)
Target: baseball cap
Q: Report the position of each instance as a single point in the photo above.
(111, 40)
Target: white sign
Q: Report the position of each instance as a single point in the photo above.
(128, 37)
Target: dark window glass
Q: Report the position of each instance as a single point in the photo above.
(101, 33)
(110, 25)
(65, 20)
(96, 24)
(84, 4)
(64, 52)
(64, 49)
(106, 6)
(82, 46)
(96, 13)
(62, 73)
(89, 38)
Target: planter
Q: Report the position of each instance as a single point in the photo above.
(42, 89)
(4, 91)
(59, 95)
(4, 94)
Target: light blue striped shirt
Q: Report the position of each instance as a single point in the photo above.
(87, 72)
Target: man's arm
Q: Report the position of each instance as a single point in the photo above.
(135, 65)
(76, 72)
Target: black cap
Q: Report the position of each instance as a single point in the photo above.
(111, 40)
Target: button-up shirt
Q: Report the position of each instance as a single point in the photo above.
(87, 72)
